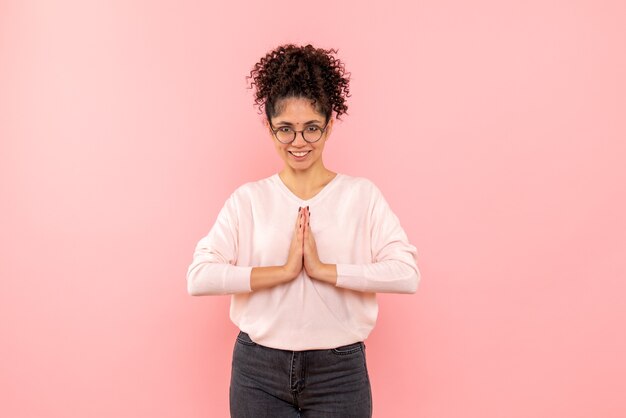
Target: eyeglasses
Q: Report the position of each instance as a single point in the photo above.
(287, 135)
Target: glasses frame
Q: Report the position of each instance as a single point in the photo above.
(295, 133)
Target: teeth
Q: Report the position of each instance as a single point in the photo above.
(300, 154)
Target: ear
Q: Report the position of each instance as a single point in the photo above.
(266, 123)
(329, 127)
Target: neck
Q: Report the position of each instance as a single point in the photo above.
(306, 180)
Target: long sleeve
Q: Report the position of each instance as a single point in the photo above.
(394, 269)
(213, 270)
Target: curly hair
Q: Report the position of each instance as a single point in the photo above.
(301, 71)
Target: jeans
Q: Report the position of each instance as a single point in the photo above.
(274, 383)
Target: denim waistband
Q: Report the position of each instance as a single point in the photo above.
(245, 338)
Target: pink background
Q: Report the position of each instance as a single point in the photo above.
(495, 129)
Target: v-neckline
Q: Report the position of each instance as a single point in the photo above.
(302, 201)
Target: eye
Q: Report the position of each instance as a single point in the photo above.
(284, 129)
(312, 128)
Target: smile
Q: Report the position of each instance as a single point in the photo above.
(299, 154)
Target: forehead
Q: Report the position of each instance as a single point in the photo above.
(296, 111)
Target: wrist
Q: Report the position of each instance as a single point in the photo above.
(287, 274)
(326, 273)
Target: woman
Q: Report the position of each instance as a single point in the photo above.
(303, 287)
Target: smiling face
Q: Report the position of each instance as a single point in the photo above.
(298, 114)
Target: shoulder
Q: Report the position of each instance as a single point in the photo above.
(256, 185)
(253, 189)
(360, 185)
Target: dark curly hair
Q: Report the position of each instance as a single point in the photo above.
(301, 71)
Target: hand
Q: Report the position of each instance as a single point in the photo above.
(293, 267)
(312, 263)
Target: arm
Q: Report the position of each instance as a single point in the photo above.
(262, 277)
(397, 276)
(394, 269)
(220, 279)
(213, 270)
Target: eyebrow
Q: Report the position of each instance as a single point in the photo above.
(305, 123)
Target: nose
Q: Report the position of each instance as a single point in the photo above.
(301, 141)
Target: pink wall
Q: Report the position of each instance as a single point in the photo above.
(496, 130)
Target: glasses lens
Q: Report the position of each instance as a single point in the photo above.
(284, 134)
(312, 133)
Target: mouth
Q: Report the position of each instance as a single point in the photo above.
(299, 155)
